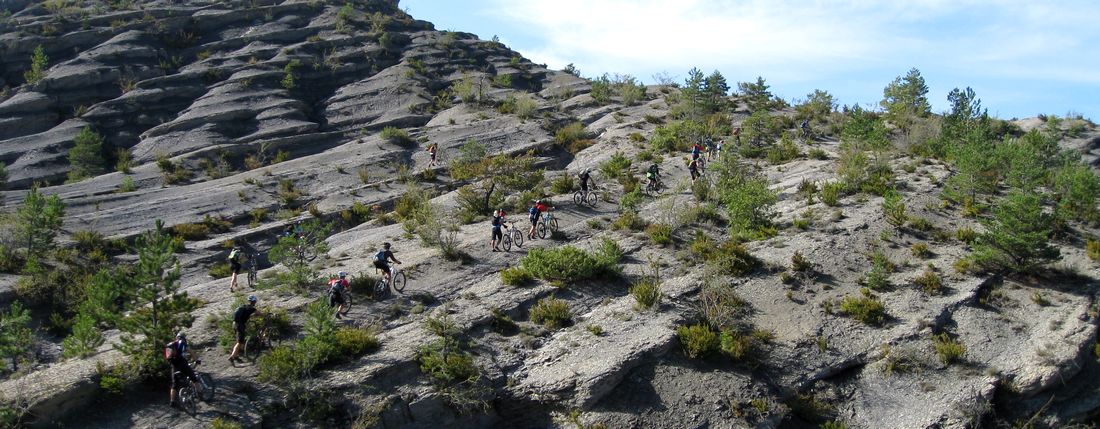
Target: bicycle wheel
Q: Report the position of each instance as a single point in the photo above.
(541, 229)
(399, 281)
(207, 387)
(252, 276)
(506, 240)
(592, 198)
(187, 400)
(554, 225)
(578, 198)
(380, 289)
(517, 237)
(347, 303)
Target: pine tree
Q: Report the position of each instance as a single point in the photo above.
(39, 61)
(37, 222)
(85, 338)
(16, 336)
(894, 209)
(86, 156)
(756, 94)
(158, 308)
(906, 98)
(1017, 234)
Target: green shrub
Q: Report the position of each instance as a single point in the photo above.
(930, 282)
(966, 235)
(191, 231)
(223, 423)
(1017, 236)
(1092, 249)
(783, 152)
(396, 136)
(39, 61)
(570, 264)
(698, 340)
(573, 137)
(731, 258)
(562, 184)
(799, 263)
(818, 154)
(920, 250)
(831, 193)
(659, 233)
(646, 293)
(878, 277)
(948, 349)
(616, 166)
(516, 276)
(893, 208)
(352, 341)
(282, 364)
(749, 202)
(86, 155)
(867, 308)
(220, 270)
(552, 313)
(628, 221)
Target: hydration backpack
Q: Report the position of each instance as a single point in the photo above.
(171, 350)
(234, 255)
(534, 212)
(380, 256)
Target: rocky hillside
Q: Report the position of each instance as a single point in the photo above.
(231, 121)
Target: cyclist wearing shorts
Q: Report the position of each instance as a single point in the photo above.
(535, 212)
(336, 288)
(240, 325)
(382, 261)
(432, 148)
(696, 150)
(234, 266)
(498, 223)
(177, 353)
(693, 168)
(805, 127)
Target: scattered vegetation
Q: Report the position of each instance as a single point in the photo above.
(866, 308)
(552, 313)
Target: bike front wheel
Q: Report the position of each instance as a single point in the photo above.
(592, 199)
(506, 240)
(517, 237)
(399, 281)
(188, 400)
(380, 289)
(347, 303)
(578, 198)
(541, 229)
(207, 393)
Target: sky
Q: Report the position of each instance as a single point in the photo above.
(1022, 58)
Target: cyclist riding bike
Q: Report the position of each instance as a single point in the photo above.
(535, 212)
(654, 173)
(498, 223)
(336, 288)
(240, 325)
(177, 354)
(805, 127)
(585, 176)
(234, 266)
(382, 261)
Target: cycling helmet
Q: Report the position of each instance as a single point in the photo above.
(342, 274)
(386, 245)
(538, 201)
(252, 299)
(181, 335)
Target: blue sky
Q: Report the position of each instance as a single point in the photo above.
(1021, 57)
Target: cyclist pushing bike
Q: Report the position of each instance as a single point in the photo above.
(536, 211)
(240, 325)
(336, 289)
(177, 354)
(498, 223)
(382, 261)
(234, 266)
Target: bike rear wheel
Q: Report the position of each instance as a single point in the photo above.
(506, 240)
(541, 229)
(399, 281)
(554, 224)
(578, 198)
(592, 199)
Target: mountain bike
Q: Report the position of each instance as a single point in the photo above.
(259, 340)
(252, 270)
(382, 288)
(547, 226)
(586, 197)
(654, 186)
(187, 395)
(513, 236)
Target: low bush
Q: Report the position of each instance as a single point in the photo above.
(920, 250)
(222, 423)
(570, 134)
(552, 313)
(878, 277)
(919, 223)
(966, 235)
(646, 293)
(516, 276)
(616, 166)
(831, 193)
(628, 221)
(948, 349)
(352, 341)
(396, 136)
(867, 308)
(562, 184)
(659, 233)
(698, 340)
(929, 282)
(570, 264)
(799, 263)
(1092, 249)
(731, 258)
(721, 306)
(220, 270)
(191, 231)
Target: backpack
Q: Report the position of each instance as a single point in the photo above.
(171, 350)
(534, 212)
(336, 288)
(380, 256)
(234, 255)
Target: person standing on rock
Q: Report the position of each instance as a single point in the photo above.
(498, 223)
(432, 148)
(336, 288)
(737, 135)
(535, 211)
(234, 266)
(693, 168)
(240, 325)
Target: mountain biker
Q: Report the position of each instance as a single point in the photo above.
(177, 353)
(654, 173)
(696, 150)
(498, 223)
(240, 325)
(296, 230)
(693, 168)
(737, 135)
(535, 211)
(718, 148)
(585, 176)
(382, 259)
(234, 266)
(432, 148)
(708, 146)
(336, 288)
(805, 127)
